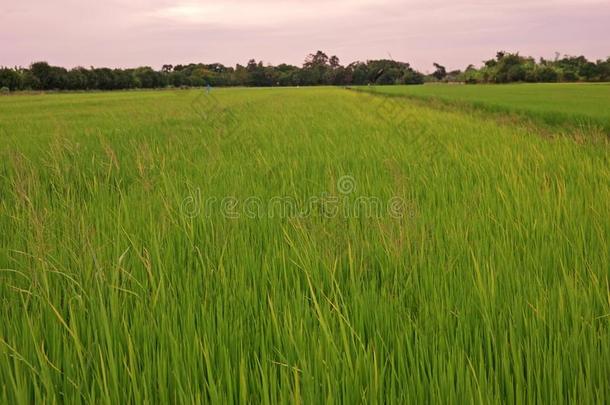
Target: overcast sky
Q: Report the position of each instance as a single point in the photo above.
(129, 33)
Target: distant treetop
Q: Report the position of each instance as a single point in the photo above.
(317, 69)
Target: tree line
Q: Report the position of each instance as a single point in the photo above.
(318, 69)
(511, 68)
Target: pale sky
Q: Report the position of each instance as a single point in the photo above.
(130, 33)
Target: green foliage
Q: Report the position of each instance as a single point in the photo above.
(48, 77)
(492, 287)
(510, 68)
(546, 74)
(10, 79)
(440, 72)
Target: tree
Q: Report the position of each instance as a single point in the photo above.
(286, 74)
(334, 62)
(257, 74)
(546, 74)
(104, 78)
(10, 79)
(239, 76)
(29, 81)
(360, 72)
(315, 68)
(42, 72)
(148, 78)
(440, 72)
(412, 77)
(49, 77)
(603, 67)
(319, 59)
(588, 71)
(77, 79)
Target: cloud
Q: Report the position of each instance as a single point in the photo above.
(242, 14)
(153, 32)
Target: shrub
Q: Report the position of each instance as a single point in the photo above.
(4, 90)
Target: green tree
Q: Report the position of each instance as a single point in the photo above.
(440, 72)
(10, 79)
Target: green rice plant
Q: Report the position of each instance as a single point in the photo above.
(296, 246)
(576, 105)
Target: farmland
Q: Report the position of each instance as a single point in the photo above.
(576, 104)
(304, 245)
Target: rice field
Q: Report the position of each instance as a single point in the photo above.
(313, 245)
(575, 104)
